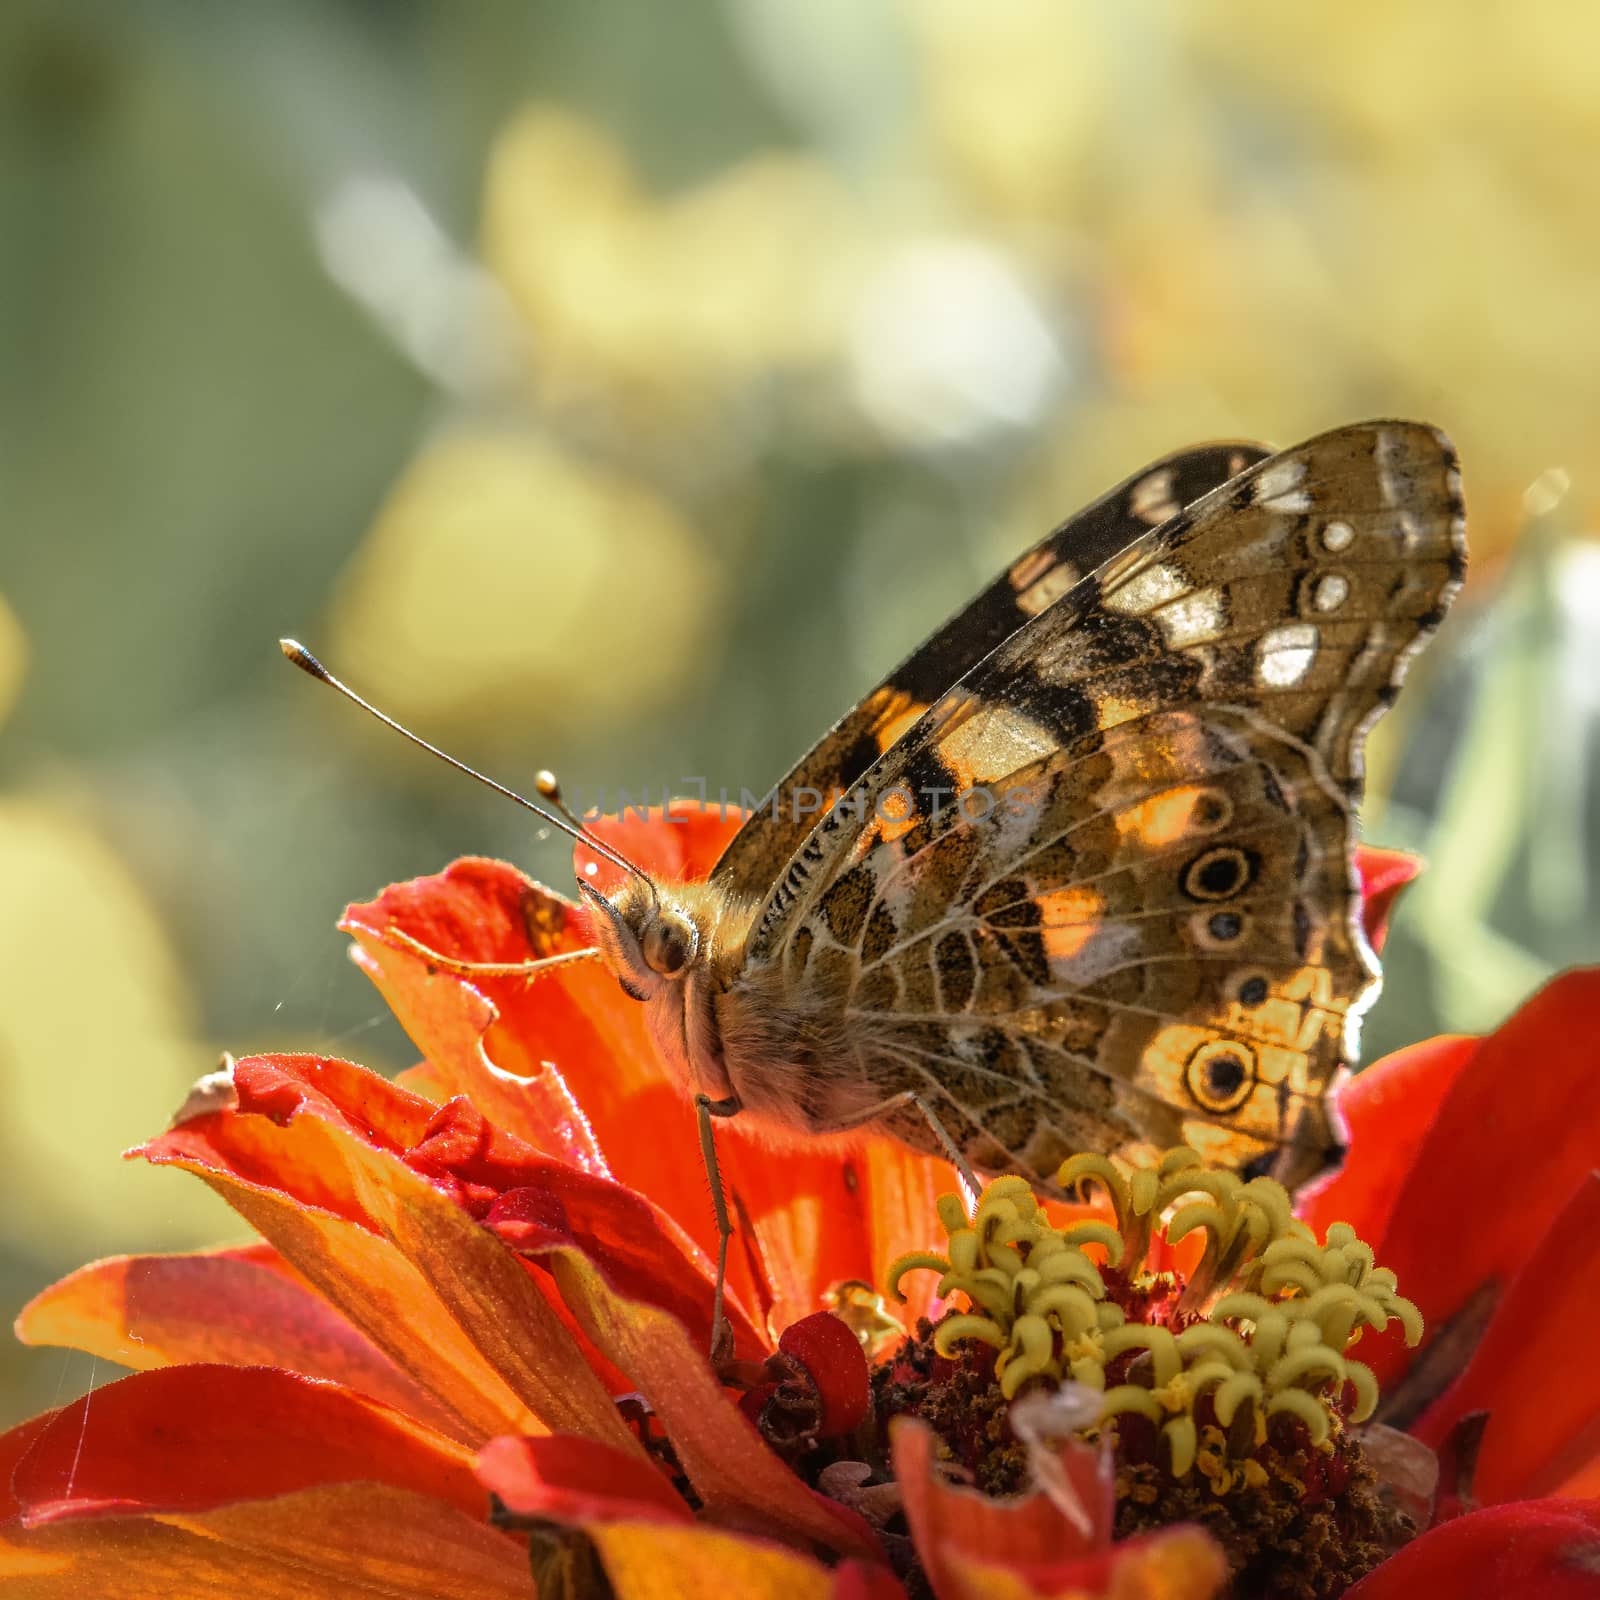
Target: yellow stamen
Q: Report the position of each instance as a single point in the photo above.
(1277, 1311)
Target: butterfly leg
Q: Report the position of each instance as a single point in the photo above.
(486, 969)
(705, 1109)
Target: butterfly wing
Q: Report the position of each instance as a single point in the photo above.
(771, 835)
(1149, 934)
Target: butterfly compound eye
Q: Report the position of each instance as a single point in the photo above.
(669, 941)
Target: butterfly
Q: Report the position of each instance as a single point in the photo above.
(1147, 932)
(1085, 878)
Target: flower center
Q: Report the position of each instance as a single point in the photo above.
(1200, 1331)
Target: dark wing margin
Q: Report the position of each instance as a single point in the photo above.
(758, 853)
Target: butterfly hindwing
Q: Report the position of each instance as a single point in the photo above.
(1068, 553)
(1150, 933)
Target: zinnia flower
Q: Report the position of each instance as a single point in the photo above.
(468, 1356)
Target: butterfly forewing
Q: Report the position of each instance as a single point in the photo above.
(1033, 582)
(1140, 926)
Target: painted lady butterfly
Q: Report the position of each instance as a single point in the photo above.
(1146, 934)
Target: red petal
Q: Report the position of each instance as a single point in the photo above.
(1544, 1407)
(680, 843)
(189, 1438)
(330, 1543)
(158, 1311)
(1515, 1136)
(529, 1199)
(1542, 1549)
(440, 1295)
(14, 1445)
(1388, 1109)
(951, 1524)
(1383, 874)
(644, 1255)
(833, 1358)
(740, 1481)
(576, 1480)
(854, 1580)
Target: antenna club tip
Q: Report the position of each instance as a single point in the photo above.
(302, 657)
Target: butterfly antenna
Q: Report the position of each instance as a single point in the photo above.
(548, 790)
(562, 819)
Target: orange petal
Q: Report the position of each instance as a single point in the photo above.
(1515, 1136)
(741, 1482)
(678, 843)
(821, 1214)
(190, 1438)
(423, 1080)
(655, 1561)
(951, 1525)
(487, 911)
(974, 1547)
(577, 1480)
(1544, 1407)
(531, 1052)
(1388, 1109)
(363, 1541)
(1182, 1563)
(159, 1311)
(438, 1293)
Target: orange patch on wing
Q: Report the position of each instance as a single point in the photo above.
(1295, 1014)
(1162, 819)
(1071, 918)
(889, 733)
(896, 815)
(894, 713)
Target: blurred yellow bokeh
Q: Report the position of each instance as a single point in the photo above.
(508, 581)
(99, 1048)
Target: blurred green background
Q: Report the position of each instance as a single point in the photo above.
(621, 388)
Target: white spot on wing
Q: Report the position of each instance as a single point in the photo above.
(1279, 487)
(1285, 655)
(1110, 947)
(1337, 536)
(1332, 590)
(1192, 618)
(1154, 586)
(1045, 591)
(1151, 500)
